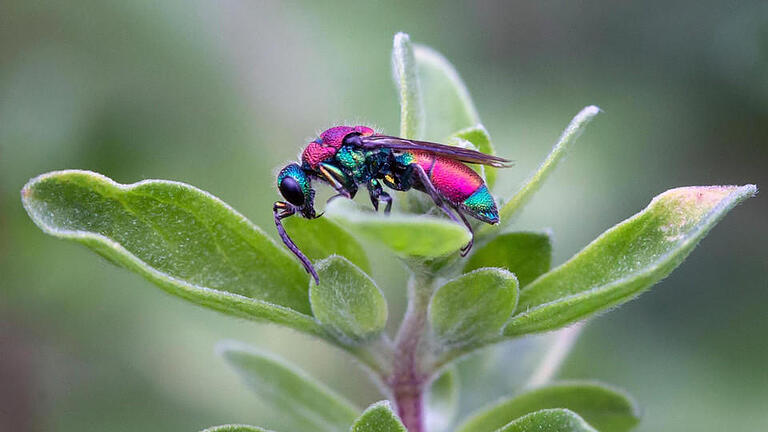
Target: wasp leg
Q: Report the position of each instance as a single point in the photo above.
(388, 199)
(338, 195)
(377, 194)
(281, 211)
(430, 188)
(465, 250)
(339, 181)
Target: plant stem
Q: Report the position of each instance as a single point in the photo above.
(409, 380)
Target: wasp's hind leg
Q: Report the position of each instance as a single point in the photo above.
(465, 250)
(440, 202)
(377, 195)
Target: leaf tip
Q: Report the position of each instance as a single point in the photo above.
(694, 200)
(380, 404)
(401, 38)
(586, 114)
(226, 347)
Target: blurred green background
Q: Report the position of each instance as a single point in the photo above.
(217, 94)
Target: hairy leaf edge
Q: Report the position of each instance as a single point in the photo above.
(257, 310)
(696, 234)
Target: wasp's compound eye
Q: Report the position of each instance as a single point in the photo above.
(292, 191)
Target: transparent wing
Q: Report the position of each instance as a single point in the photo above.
(457, 153)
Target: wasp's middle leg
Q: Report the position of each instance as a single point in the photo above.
(377, 195)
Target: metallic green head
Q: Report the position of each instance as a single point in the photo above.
(295, 186)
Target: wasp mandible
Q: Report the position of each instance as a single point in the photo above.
(345, 157)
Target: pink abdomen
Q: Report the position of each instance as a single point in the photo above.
(454, 180)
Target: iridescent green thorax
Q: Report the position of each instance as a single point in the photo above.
(481, 204)
(352, 159)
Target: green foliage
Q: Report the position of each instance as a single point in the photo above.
(320, 238)
(378, 418)
(306, 403)
(473, 306)
(625, 260)
(549, 420)
(196, 247)
(404, 72)
(607, 409)
(347, 301)
(567, 139)
(434, 105)
(526, 254)
(448, 106)
(184, 240)
(404, 234)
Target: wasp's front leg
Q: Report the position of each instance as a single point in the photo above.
(281, 211)
(339, 181)
(377, 195)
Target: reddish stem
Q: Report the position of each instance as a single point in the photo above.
(410, 406)
(408, 380)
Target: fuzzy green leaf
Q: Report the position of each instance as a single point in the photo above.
(320, 238)
(549, 420)
(607, 409)
(625, 260)
(568, 137)
(347, 301)
(447, 104)
(443, 400)
(481, 140)
(184, 240)
(378, 417)
(234, 428)
(526, 254)
(307, 403)
(473, 306)
(405, 74)
(405, 234)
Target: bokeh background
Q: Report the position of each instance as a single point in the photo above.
(218, 93)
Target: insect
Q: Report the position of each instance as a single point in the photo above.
(346, 157)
